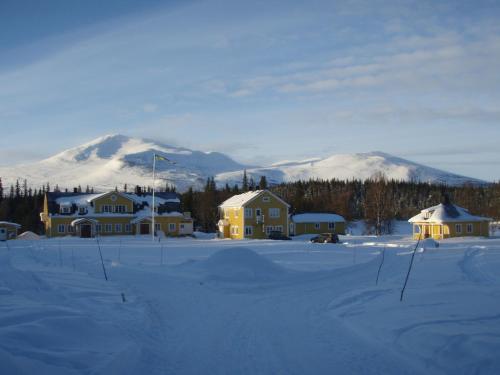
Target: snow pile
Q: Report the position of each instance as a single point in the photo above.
(28, 236)
(241, 264)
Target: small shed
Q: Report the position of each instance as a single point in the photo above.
(8, 230)
(316, 223)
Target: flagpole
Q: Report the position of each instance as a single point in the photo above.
(153, 205)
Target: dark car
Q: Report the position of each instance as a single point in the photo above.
(326, 238)
(276, 235)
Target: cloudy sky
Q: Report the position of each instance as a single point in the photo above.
(262, 81)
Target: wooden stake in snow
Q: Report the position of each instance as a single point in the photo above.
(380, 266)
(409, 269)
(102, 261)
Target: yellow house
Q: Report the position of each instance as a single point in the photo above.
(113, 213)
(448, 220)
(254, 214)
(8, 231)
(316, 223)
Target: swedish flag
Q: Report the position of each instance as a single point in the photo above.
(159, 157)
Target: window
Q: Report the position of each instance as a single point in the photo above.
(248, 212)
(458, 228)
(108, 228)
(157, 227)
(82, 210)
(226, 213)
(248, 231)
(120, 208)
(128, 228)
(331, 226)
(269, 228)
(234, 229)
(98, 228)
(171, 227)
(113, 197)
(258, 212)
(274, 212)
(106, 208)
(278, 228)
(65, 209)
(266, 199)
(181, 226)
(118, 228)
(61, 228)
(236, 211)
(469, 228)
(317, 225)
(71, 229)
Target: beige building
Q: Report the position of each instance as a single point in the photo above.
(8, 230)
(448, 220)
(113, 213)
(254, 214)
(316, 223)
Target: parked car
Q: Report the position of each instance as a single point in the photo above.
(326, 238)
(276, 235)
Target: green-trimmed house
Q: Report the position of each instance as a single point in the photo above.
(316, 223)
(113, 213)
(8, 230)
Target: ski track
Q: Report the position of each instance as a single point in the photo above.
(331, 317)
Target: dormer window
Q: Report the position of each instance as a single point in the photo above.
(82, 210)
(65, 209)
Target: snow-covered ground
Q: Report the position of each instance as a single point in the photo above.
(207, 306)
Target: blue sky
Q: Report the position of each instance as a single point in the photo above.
(262, 81)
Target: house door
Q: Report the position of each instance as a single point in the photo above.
(85, 231)
(144, 228)
(3, 234)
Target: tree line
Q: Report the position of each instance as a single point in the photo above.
(378, 200)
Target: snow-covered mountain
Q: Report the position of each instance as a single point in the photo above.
(349, 166)
(115, 160)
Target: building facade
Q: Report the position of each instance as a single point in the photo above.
(113, 213)
(316, 223)
(448, 220)
(8, 230)
(254, 214)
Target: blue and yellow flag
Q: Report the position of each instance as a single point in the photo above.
(159, 157)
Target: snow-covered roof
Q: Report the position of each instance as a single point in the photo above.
(445, 213)
(84, 199)
(10, 224)
(317, 218)
(242, 199)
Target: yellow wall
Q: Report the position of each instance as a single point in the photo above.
(120, 201)
(447, 230)
(310, 228)
(11, 230)
(236, 217)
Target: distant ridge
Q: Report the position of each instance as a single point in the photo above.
(115, 160)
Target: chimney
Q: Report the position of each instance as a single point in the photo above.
(75, 190)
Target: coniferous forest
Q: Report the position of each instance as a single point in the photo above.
(378, 201)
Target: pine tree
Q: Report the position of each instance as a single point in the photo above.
(263, 183)
(244, 184)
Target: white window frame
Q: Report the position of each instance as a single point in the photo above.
(108, 228)
(61, 228)
(469, 228)
(458, 228)
(274, 212)
(65, 209)
(269, 229)
(266, 199)
(157, 227)
(120, 208)
(128, 228)
(172, 227)
(234, 229)
(236, 212)
(317, 225)
(331, 225)
(70, 228)
(248, 212)
(98, 228)
(107, 208)
(82, 210)
(118, 228)
(248, 230)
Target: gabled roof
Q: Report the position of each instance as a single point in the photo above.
(244, 198)
(317, 218)
(446, 213)
(10, 224)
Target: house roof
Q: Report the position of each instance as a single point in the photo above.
(10, 224)
(82, 199)
(317, 218)
(445, 213)
(244, 198)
